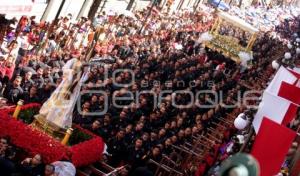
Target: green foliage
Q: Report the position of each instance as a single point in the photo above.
(78, 136)
(27, 116)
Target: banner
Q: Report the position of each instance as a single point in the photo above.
(271, 146)
(290, 92)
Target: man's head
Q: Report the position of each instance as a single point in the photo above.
(33, 90)
(162, 132)
(181, 133)
(121, 134)
(139, 126)
(28, 75)
(94, 99)
(188, 132)
(155, 151)
(4, 142)
(40, 71)
(86, 105)
(138, 143)
(37, 159)
(123, 115)
(49, 170)
(48, 71)
(128, 128)
(168, 142)
(107, 118)
(153, 136)
(145, 136)
(96, 124)
(17, 81)
(9, 61)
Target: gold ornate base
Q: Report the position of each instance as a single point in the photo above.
(43, 125)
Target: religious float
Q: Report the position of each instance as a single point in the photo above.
(232, 37)
(48, 129)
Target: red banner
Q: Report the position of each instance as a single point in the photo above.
(271, 146)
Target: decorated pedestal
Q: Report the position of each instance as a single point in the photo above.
(48, 127)
(83, 147)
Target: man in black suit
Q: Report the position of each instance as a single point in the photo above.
(14, 92)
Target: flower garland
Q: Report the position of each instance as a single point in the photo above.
(88, 151)
(34, 141)
(31, 140)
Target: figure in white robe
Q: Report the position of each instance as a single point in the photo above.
(58, 109)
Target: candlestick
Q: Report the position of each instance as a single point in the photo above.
(18, 109)
(67, 136)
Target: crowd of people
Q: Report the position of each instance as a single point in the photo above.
(164, 55)
(266, 18)
(29, 166)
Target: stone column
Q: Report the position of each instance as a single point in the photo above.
(84, 11)
(130, 5)
(51, 10)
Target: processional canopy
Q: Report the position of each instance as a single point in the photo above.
(233, 37)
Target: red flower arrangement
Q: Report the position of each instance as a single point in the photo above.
(91, 149)
(34, 141)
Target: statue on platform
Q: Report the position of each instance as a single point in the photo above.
(56, 113)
